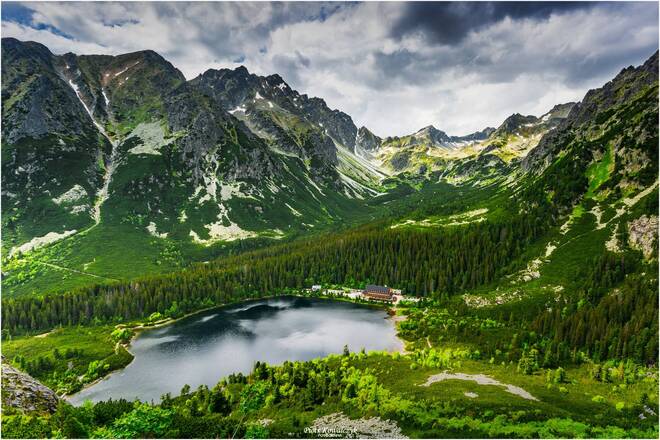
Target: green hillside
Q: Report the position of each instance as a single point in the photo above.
(531, 251)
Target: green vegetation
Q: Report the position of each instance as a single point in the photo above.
(282, 401)
(537, 313)
(599, 171)
(424, 263)
(67, 358)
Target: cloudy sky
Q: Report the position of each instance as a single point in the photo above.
(394, 67)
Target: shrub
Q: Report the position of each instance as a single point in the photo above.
(156, 316)
(144, 421)
(122, 335)
(255, 430)
(23, 426)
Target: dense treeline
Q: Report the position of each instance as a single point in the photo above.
(604, 322)
(621, 325)
(424, 263)
(283, 402)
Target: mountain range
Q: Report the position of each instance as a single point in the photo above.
(123, 156)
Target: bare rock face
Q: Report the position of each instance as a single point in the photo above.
(430, 135)
(643, 234)
(274, 111)
(22, 391)
(35, 100)
(366, 141)
(624, 87)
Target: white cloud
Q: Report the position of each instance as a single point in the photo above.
(346, 55)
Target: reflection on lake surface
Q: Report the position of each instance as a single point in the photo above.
(205, 347)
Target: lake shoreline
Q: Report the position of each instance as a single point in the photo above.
(140, 327)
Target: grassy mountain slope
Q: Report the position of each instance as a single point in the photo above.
(545, 284)
(176, 177)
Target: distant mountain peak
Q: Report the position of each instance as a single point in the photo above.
(476, 136)
(514, 123)
(432, 135)
(429, 129)
(276, 79)
(366, 141)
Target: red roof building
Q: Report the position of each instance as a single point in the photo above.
(378, 293)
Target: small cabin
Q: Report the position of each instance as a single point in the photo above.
(378, 293)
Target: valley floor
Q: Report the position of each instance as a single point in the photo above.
(444, 386)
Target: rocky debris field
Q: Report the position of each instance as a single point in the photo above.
(338, 425)
(22, 391)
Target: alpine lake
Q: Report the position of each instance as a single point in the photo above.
(203, 348)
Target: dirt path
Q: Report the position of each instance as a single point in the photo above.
(55, 266)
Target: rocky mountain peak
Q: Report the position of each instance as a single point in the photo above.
(277, 81)
(619, 91)
(13, 49)
(513, 123)
(431, 135)
(260, 101)
(476, 136)
(429, 129)
(36, 101)
(242, 71)
(559, 110)
(120, 90)
(366, 141)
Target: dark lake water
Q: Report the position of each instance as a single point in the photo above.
(203, 348)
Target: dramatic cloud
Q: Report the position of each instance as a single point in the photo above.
(394, 67)
(450, 22)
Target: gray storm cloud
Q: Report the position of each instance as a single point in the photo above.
(394, 67)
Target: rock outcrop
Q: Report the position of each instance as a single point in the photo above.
(643, 234)
(621, 90)
(23, 392)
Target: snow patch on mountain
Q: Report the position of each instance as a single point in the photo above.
(76, 89)
(124, 69)
(110, 164)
